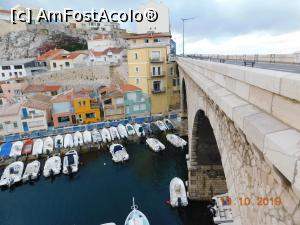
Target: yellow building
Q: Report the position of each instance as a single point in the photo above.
(86, 109)
(151, 68)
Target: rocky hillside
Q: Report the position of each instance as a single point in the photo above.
(25, 44)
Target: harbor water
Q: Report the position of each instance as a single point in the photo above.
(102, 192)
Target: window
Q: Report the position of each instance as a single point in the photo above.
(174, 82)
(156, 40)
(156, 71)
(146, 40)
(119, 101)
(20, 73)
(156, 85)
(1, 101)
(67, 64)
(127, 109)
(83, 103)
(10, 74)
(54, 65)
(107, 102)
(16, 73)
(5, 67)
(135, 55)
(79, 103)
(142, 106)
(15, 125)
(18, 67)
(171, 71)
(3, 74)
(137, 69)
(155, 55)
(1, 126)
(131, 96)
(136, 108)
(63, 119)
(137, 80)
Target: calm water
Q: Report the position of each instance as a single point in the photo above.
(102, 192)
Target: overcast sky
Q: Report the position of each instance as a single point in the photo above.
(219, 27)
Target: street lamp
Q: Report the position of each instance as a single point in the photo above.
(183, 20)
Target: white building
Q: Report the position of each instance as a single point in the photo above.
(108, 56)
(101, 42)
(68, 61)
(161, 25)
(10, 119)
(19, 68)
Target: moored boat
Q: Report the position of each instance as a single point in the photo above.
(52, 166)
(78, 139)
(122, 131)
(136, 217)
(169, 124)
(27, 147)
(161, 125)
(12, 174)
(87, 137)
(221, 209)
(105, 135)
(114, 133)
(155, 144)
(154, 128)
(130, 129)
(68, 141)
(16, 149)
(147, 128)
(37, 148)
(139, 130)
(71, 161)
(32, 171)
(48, 145)
(118, 152)
(58, 142)
(176, 140)
(96, 136)
(6, 149)
(178, 197)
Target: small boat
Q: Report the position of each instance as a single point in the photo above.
(169, 124)
(48, 145)
(155, 144)
(52, 166)
(12, 174)
(71, 161)
(96, 136)
(122, 131)
(32, 171)
(6, 149)
(114, 133)
(147, 128)
(154, 128)
(178, 197)
(176, 140)
(58, 142)
(130, 129)
(161, 125)
(68, 141)
(118, 152)
(221, 209)
(37, 148)
(105, 135)
(78, 139)
(87, 137)
(139, 130)
(136, 217)
(27, 147)
(16, 149)
(108, 224)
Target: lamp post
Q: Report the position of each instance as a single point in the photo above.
(183, 20)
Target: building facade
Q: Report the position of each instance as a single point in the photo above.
(10, 119)
(67, 61)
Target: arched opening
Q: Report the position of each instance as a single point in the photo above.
(183, 99)
(206, 166)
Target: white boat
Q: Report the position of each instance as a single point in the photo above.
(78, 139)
(176, 140)
(96, 136)
(122, 131)
(71, 161)
(221, 209)
(16, 149)
(114, 133)
(48, 145)
(161, 125)
(139, 130)
(155, 144)
(178, 197)
(87, 137)
(32, 171)
(58, 142)
(130, 129)
(108, 224)
(12, 174)
(118, 152)
(38, 146)
(68, 141)
(105, 135)
(169, 124)
(52, 166)
(136, 217)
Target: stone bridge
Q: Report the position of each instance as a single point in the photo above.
(243, 139)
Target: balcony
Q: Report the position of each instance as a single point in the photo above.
(159, 90)
(157, 59)
(157, 74)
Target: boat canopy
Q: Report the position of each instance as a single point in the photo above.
(71, 159)
(118, 148)
(5, 149)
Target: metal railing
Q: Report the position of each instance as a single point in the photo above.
(157, 74)
(160, 90)
(157, 59)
